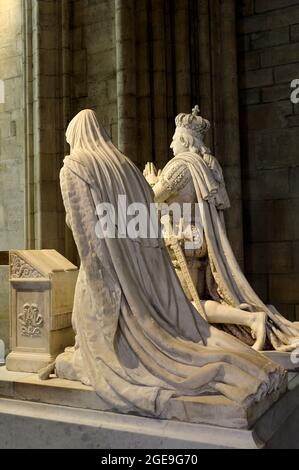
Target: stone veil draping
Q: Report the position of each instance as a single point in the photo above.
(139, 341)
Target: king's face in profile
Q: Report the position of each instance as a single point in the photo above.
(179, 143)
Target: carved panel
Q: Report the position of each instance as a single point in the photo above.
(31, 320)
(20, 269)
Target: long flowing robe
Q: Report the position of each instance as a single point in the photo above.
(139, 341)
(232, 287)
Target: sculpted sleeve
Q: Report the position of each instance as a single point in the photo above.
(174, 177)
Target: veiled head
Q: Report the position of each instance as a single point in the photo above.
(85, 131)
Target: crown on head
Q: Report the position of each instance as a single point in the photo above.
(193, 122)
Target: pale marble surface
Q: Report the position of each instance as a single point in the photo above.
(37, 425)
(199, 409)
(29, 424)
(42, 284)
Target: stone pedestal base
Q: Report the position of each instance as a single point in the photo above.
(211, 409)
(65, 414)
(31, 425)
(37, 425)
(20, 361)
(28, 362)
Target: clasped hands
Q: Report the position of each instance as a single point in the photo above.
(151, 174)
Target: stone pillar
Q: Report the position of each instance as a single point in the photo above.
(159, 83)
(47, 95)
(226, 132)
(219, 102)
(182, 56)
(28, 125)
(143, 86)
(126, 76)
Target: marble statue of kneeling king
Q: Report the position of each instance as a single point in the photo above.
(140, 343)
(195, 176)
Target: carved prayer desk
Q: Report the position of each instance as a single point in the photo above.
(42, 284)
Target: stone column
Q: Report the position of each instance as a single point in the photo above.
(219, 101)
(126, 76)
(230, 141)
(47, 95)
(182, 56)
(159, 83)
(28, 125)
(143, 86)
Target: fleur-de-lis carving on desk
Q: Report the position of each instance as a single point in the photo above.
(31, 320)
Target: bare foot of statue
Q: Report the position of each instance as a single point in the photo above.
(258, 330)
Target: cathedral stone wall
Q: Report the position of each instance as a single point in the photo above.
(268, 40)
(12, 165)
(94, 60)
